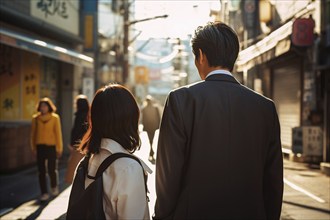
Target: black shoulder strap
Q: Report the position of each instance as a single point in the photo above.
(109, 160)
(84, 162)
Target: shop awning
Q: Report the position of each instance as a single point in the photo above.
(46, 49)
(273, 45)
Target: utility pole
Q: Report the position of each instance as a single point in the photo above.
(126, 42)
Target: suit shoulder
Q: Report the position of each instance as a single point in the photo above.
(258, 95)
(188, 88)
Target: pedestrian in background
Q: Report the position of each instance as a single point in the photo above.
(46, 143)
(219, 151)
(150, 121)
(114, 120)
(79, 128)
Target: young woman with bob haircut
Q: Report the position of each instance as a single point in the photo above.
(46, 143)
(113, 128)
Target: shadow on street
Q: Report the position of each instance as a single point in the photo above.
(307, 207)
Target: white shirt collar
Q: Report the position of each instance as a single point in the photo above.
(219, 72)
(115, 147)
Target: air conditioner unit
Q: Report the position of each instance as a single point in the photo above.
(307, 140)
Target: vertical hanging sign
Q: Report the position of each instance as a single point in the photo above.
(89, 26)
(303, 32)
(250, 10)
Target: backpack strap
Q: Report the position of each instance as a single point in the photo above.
(84, 163)
(110, 159)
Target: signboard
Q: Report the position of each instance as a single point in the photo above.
(89, 27)
(303, 32)
(90, 24)
(9, 83)
(250, 13)
(141, 75)
(30, 83)
(63, 14)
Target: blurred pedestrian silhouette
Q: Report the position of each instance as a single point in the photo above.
(46, 143)
(150, 121)
(219, 152)
(79, 128)
(114, 120)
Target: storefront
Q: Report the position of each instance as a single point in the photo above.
(287, 97)
(39, 57)
(286, 73)
(31, 69)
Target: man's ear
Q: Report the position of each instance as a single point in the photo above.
(202, 56)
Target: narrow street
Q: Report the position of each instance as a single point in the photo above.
(20, 191)
(306, 192)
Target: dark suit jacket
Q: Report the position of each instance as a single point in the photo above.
(219, 154)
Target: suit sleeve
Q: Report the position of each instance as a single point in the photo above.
(273, 179)
(170, 159)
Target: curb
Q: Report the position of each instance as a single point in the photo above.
(325, 168)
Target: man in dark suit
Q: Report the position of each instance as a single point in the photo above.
(219, 151)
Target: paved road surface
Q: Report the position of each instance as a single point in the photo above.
(306, 192)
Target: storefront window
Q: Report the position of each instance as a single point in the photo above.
(49, 79)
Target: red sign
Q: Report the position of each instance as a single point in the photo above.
(303, 32)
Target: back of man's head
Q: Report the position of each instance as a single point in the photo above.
(218, 42)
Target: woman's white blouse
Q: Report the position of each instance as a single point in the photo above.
(123, 183)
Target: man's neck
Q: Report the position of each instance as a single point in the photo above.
(218, 68)
(212, 68)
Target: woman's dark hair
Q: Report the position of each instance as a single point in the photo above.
(48, 102)
(82, 103)
(114, 114)
(218, 42)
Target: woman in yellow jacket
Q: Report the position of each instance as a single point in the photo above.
(46, 142)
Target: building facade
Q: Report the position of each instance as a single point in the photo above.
(285, 56)
(41, 50)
